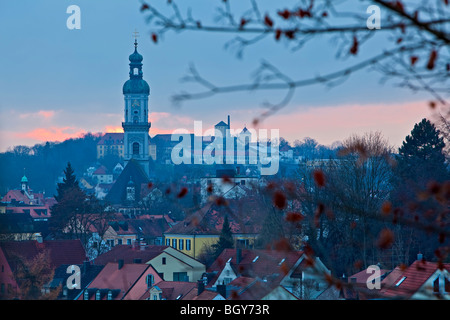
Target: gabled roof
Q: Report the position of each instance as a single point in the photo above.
(243, 216)
(221, 124)
(118, 192)
(362, 276)
(114, 278)
(270, 265)
(412, 279)
(87, 273)
(61, 251)
(129, 254)
(205, 295)
(175, 290)
(101, 170)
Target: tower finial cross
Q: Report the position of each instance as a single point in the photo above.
(135, 35)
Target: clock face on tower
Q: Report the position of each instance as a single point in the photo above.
(135, 103)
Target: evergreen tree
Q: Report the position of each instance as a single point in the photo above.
(71, 200)
(421, 160)
(225, 240)
(70, 182)
(420, 163)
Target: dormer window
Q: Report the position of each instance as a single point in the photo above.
(86, 295)
(97, 295)
(110, 295)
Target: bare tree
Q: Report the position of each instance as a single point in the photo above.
(415, 54)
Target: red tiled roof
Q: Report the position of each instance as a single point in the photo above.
(61, 251)
(171, 290)
(100, 170)
(414, 277)
(34, 211)
(128, 254)
(205, 295)
(111, 277)
(362, 276)
(243, 217)
(257, 263)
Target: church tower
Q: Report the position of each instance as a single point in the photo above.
(136, 125)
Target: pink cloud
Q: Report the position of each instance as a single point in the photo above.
(52, 134)
(333, 123)
(44, 114)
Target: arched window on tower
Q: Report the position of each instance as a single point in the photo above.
(136, 71)
(136, 148)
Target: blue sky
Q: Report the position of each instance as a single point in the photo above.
(56, 83)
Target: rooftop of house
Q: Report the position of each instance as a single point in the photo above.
(60, 251)
(118, 276)
(410, 280)
(271, 265)
(111, 138)
(210, 218)
(130, 254)
(175, 290)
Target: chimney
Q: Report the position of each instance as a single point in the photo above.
(120, 264)
(238, 255)
(200, 286)
(419, 256)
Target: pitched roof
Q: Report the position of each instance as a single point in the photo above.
(128, 254)
(362, 276)
(243, 217)
(101, 170)
(118, 192)
(111, 138)
(221, 124)
(87, 273)
(175, 290)
(111, 277)
(265, 264)
(410, 281)
(205, 295)
(61, 251)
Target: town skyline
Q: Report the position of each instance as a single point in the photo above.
(69, 93)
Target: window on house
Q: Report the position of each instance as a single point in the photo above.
(149, 280)
(436, 285)
(128, 241)
(86, 295)
(181, 244)
(180, 276)
(97, 295)
(164, 260)
(400, 281)
(119, 241)
(167, 242)
(174, 243)
(188, 244)
(109, 295)
(155, 297)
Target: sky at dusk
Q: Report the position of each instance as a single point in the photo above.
(57, 83)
